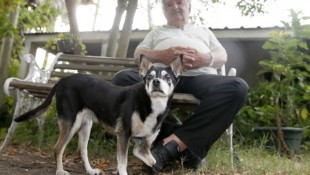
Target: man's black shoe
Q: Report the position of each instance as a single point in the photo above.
(190, 160)
(163, 154)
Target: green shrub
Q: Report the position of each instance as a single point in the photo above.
(283, 89)
(7, 109)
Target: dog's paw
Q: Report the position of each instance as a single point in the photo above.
(94, 171)
(122, 173)
(150, 160)
(62, 172)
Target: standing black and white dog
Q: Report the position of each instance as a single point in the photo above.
(131, 112)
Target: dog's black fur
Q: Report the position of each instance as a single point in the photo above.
(132, 112)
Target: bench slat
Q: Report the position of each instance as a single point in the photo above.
(31, 85)
(39, 94)
(56, 75)
(82, 67)
(98, 60)
(42, 90)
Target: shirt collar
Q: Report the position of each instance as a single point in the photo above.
(173, 27)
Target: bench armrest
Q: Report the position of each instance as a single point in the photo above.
(35, 73)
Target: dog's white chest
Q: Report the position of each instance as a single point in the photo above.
(142, 129)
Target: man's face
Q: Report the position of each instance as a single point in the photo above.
(176, 12)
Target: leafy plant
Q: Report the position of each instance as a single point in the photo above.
(249, 8)
(75, 44)
(289, 76)
(32, 17)
(281, 97)
(284, 85)
(6, 27)
(7, 109)
(37, 17)
(289, 71)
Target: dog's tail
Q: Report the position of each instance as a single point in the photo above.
(39, 109)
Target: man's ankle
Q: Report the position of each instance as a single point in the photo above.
(190, 160)
(175, 138)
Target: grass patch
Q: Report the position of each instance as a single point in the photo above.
(254, 159)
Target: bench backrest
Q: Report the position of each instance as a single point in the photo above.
(104, 67)
(64, 65)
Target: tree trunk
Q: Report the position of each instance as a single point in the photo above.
(5, 54)
(71, 8)
(127, 28)
(74, 28)
(96, 15)
(282, 147)
(149, 14)
(114, 32)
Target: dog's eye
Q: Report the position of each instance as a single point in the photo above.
(150, 77)
(167, 77)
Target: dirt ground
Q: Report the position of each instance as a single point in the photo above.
(31, 161)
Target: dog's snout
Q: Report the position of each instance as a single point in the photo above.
(156, 82)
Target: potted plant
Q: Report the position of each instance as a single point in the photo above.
(67, 43)
(281, 100)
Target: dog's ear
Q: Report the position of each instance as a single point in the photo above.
(145, 65)
(177, 65)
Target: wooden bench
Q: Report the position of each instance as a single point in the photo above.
(66, 65)
(35, 87)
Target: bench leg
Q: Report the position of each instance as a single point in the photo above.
(13, 124)
(229, 133)
(31, 103)
(8, 136)
(41, 120)
(23, 104)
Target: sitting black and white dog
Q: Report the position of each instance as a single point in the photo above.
(130, 112)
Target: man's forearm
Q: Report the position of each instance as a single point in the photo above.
(156, 56)
(216, 59)
(220, 58)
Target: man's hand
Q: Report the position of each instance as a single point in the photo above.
(192, 59)
(168, 55)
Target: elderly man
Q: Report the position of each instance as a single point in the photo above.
(220, 97)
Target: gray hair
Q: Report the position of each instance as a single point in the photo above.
(188, 3)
